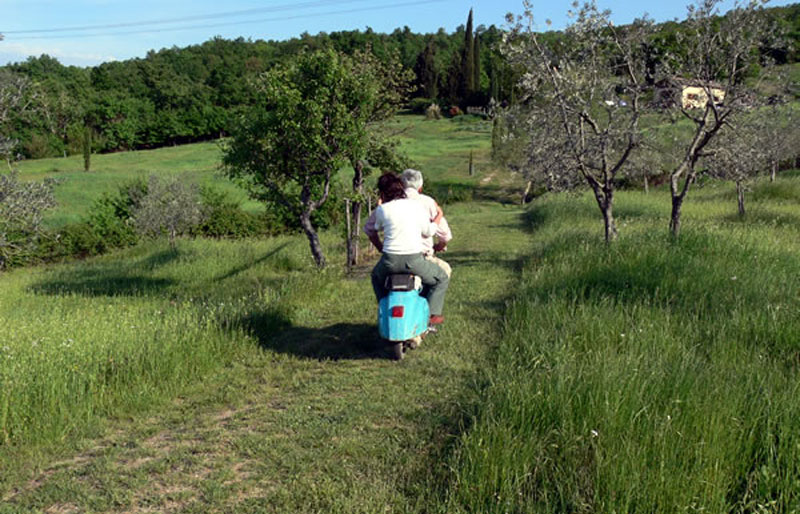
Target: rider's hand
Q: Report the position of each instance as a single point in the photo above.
(440, 247)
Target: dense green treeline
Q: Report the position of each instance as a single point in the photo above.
(179, 95)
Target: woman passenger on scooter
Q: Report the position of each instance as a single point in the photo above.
(404, 223)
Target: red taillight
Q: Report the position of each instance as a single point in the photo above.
(397, 311)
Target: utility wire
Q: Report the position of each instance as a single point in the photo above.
(227, 24)
(277, 8)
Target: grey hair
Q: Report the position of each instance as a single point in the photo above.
(412, 178)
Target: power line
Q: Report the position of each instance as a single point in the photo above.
(214, 25)
(277, 8)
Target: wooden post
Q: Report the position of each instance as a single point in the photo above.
(370, 248)
(348, 243)
(471, 165)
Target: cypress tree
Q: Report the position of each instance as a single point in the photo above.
(425, 70)
(87, 148)
(476, 70)
(468, 60)
(494, 82)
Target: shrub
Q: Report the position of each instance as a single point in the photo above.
(420, 105)
(111, 218)
(433, 112)
(21, 208)
(225, 218)
(170, 207)
(43, 145)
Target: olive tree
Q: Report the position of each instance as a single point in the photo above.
(170, 206)
(778, 136)
(734, 156)
(529, 145)
(719, 50)
(17, 95)
(22, 205)
(394, 84)
(582, 100)
(308, 119)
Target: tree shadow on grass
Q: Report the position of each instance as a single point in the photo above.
(465, 259)
(245, 267)
(274, 331)
(93, 282)
(765, 217)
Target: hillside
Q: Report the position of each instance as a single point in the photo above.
(230, 376)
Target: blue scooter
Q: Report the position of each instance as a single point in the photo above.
(403, 314)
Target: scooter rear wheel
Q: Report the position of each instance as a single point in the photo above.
(398, 351)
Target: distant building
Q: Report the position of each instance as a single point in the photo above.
(689, 94)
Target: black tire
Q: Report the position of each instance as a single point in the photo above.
(398, 351)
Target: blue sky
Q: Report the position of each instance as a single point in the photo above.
(126, 29)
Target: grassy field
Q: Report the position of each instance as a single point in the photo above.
(440, 148)
(229, 376)
(77, 189)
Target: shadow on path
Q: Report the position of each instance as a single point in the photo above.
(274, 331)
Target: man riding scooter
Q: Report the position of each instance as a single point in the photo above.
(405, 222)
(412, 179)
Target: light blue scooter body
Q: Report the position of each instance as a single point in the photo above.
(412, 323)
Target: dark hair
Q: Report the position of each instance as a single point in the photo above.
(391, 187)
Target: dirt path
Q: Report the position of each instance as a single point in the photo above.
(288, 432)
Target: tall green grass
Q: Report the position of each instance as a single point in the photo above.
(650, 376)
(112, 335)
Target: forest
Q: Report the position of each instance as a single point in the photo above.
(179, 95)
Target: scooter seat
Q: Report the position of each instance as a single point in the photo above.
(402, 282)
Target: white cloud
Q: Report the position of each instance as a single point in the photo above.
(10, 52)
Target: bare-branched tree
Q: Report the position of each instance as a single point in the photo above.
(523, 140)
(17, 95)
(735, 156)
(394, 84)
(778, 136)
(22, 205)
(171, 207)
(719, 52)
(582, 99)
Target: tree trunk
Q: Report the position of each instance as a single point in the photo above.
(678, 195)
(524, 198)
(471, 164)
(675, 217)
(605, 201)
(646, 185)
(355, 214)
(740, 197)
(313, 239)
(608, 220)
(773, 171)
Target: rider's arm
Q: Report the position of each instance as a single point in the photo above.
(371, 231)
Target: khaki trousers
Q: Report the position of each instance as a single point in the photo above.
(442, 264)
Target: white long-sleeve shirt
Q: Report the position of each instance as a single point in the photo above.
(404, 223)
(443, 233)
